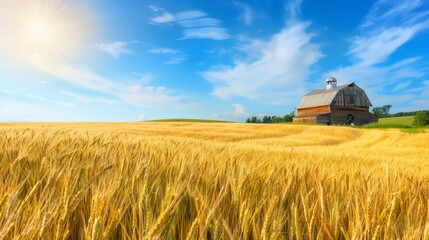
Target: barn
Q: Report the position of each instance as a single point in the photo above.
(337, 105)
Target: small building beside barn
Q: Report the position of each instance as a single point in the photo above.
(336, 105)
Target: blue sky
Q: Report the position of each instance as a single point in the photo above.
(106, 60)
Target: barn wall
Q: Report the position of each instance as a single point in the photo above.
(351, 96)
(314, 110)
(305, 119)
(360, 117)
(324, 119)
(349, 108)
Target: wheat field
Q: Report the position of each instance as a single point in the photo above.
(211, 181)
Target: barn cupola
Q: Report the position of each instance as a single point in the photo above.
(331, 82)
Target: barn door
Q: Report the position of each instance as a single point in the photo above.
(350, 119)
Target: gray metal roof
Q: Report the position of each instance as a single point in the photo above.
(320, 97)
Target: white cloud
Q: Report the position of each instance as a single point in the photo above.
(148, 96)
(200, 22)
(146, 78)
(163, 17)
(402, 85)
(43, 99)
(115, 49)
(214, 33)
(6, 91)
(294, 9)
(190, 14)
(238, 112)
(388, 26)
(154, 8)
(276, 71)
(176, 60)
(376, 48)
(391, 12)
(247, 15)
(195, 24)
(86, 99)
(164, 51)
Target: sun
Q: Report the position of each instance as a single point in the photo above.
(58, 29)
(39, 30)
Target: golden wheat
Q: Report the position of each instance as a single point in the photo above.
(211, 181)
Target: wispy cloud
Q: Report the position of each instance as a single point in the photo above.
(115, 49)
(178, 56)
(274, 71)
(87, 99)
(391, 12)
(195, 23)
(7, 91)
(163, 15)
(294, 9)
(192, 14)
(145, 78)
(164, 51)
(238, 112)
(214, 33)
(247, 13)
(147, 96)
(373, 49)
(46, 100)
(388, 26)
(176, 60)
(401, 86)
(200, 22)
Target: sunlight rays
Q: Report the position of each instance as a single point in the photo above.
(39, 30)
(51, 28)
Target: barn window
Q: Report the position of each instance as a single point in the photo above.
(350, 119)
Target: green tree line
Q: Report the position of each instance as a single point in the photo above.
(421, 117)
(383, 112)
(272, 119)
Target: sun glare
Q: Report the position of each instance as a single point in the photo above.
(50, 28)
(39, 30)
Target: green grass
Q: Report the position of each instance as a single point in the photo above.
(413, 130)
(403, 123)
(385, 125)
(408, 121)
(393, 122)
(189, 120)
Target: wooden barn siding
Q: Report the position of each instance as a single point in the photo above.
(314, 110)
(351, 96)
(324, 119)
(349, 108)
(305, 119)
(360, 117)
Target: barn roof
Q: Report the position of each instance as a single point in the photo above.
(320, 97)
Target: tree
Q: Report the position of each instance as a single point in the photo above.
(421, 119)
(382, 112)
(287, 118)
(265, 119)
(248, 120)
(254, 119)
(276, 119)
